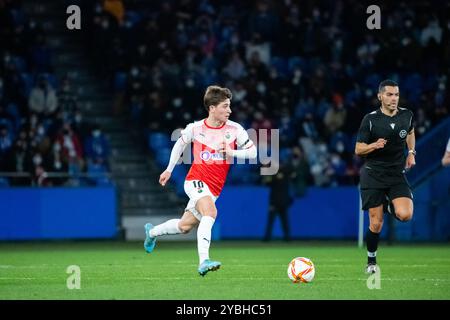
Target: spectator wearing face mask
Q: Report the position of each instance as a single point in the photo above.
(57, 165)
(40, 138)
(39, 175)
(97, 147)
(71, 149)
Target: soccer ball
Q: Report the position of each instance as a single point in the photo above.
(301, 270)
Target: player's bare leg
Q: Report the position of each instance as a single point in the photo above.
(172, 226)
(187, 222)
(372, 237)
(403, 208)
(208, 210)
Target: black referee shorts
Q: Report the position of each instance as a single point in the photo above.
(372, 198)
(376, 186)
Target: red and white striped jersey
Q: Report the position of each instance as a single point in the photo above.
(208, 165)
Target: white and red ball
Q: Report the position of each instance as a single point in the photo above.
(301, 269)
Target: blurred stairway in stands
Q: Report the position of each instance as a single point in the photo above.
(140, 198)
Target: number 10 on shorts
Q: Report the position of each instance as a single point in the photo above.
(198, 185)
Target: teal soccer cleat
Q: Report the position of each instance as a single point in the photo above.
(149, 243)
(208, 265)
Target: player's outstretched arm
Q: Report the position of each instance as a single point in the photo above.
(248, 153)
(175, 155)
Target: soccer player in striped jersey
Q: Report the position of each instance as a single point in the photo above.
(215, 141)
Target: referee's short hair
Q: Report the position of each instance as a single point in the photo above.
(387, 83)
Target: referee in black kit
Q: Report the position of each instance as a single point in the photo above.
(382, 138)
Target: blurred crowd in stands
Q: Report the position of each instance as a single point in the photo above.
(42, 130)
(308, 68)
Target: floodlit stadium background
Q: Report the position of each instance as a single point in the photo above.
(86, 116)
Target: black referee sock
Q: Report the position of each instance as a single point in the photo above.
(372, 246)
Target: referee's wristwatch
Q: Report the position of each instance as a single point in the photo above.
(412, 151)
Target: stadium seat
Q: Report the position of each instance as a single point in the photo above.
(18, 17)
(9, 125)
(412, 86)
(51, 78)
(294, 63)
(285, 153)
(4, 182)
(27, 82)
(20, 64)
(280, 65)
(120, 81)
(133, 17)
(163, 156)
(158, 140)
(13, 110)
(372, 81)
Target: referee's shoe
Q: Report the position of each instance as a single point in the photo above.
(372, 267)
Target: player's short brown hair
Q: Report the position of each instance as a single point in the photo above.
(215, 95)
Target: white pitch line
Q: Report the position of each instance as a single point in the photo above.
(223, 279)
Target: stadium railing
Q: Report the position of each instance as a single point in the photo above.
(430, 149)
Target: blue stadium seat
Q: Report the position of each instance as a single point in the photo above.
(158, 140)
(280, 65)
(295, 62)
(179, 173)
(412, 86)
(133, 17)
(97, 174)
(28, 83)
(51, 78)
(120, 81)
(9, 125)
(21, 66)
(285, 154)
(13, 110)
(163, 156)
(18, 17)
(4, 182)
(178, 177)
(372, 81)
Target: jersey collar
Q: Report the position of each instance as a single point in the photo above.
(209, 127)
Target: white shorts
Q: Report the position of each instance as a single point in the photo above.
(196, 189)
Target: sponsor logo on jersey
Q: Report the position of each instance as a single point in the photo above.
(402, 134)
(206, 156)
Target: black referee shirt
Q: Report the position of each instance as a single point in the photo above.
(394, 129)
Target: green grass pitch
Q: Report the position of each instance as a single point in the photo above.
(251, 270)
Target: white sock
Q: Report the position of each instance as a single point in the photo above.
(204, 237)
(168, 227)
